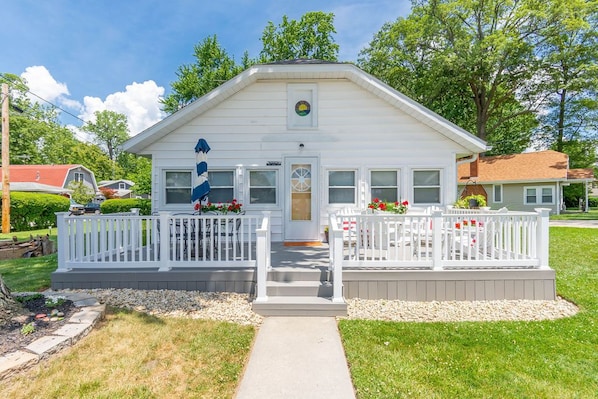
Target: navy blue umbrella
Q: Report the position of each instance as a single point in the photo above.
(202, 185)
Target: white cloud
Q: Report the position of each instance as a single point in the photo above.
(140, 102)
(42, 84)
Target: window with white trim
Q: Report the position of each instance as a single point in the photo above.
(222, 186)
(497, 193)
(341, 187)
(80, 177)
(384, 185)
(121, 186)
(426, 186)
(302, 105)
(540, 195)
(263, 187)
(177, 187)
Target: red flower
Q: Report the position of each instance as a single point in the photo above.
(405, 203)
(197, 206)
(457, 225)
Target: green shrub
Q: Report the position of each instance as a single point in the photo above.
(125, 205)
(593, 202)
(32, 211)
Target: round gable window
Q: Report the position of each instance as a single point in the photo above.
(302, 108)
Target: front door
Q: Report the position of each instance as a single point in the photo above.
(301, 199)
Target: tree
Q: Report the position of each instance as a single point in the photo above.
(213, 66)
(569, 53)
(139, 170)
(9, 308)
(109, 131)
(82, 193)
(478, 53)
(310, 37)
(93, 158)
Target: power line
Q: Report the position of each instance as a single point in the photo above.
(43, 99)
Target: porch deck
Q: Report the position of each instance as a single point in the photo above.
(305, 271)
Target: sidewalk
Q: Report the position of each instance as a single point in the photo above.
(297, 357)
(575, 223)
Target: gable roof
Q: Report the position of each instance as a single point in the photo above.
(532, 166)
(302, 69)
(50, 175)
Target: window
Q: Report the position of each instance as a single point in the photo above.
(302, 112)
(177, 186)
(262, 186)
(426, 187)
(341, 187)
(497, 191)
(79, 176)
(222, 186)
(539, 195)
(385, 185)
(121, 186)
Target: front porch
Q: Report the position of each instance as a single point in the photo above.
(502, 256)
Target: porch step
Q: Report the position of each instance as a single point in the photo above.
(288, 274)
(299, 288)
(299, 306)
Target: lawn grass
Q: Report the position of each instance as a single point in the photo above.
(134, 355)
(548, 359)
(31, 274)
(576, 215)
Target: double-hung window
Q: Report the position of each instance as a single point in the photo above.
(262, 187)
(79, 177)
(426, 187)
(177, 186)
(341, 187)
(497, 193)
(222, 186)
(541, 195)
(385, 185)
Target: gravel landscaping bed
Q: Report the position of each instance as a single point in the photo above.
(236, 308)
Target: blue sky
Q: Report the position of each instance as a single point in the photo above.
(123, 55)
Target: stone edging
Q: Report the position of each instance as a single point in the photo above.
(78, 326)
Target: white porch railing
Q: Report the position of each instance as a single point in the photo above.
(160, 241)
(438, 241)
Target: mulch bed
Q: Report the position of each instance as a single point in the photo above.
(12, 337)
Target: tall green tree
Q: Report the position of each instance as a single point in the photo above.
(109, 131)
(569, 53)
(472, 61)
(309, 37)
(212, 67)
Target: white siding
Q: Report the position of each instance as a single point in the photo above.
(356, 129)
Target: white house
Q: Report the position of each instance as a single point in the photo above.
(303, 139)
(295, 143)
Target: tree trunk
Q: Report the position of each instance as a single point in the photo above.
(9, 308)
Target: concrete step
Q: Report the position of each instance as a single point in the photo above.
(299, 306)
(299, 288)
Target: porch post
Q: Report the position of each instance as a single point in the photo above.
(437, 240)
(62, 241)
(263, 258)
(335, 238)
(164, 237)
(543, 236)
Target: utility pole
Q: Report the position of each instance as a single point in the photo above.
(5, 162)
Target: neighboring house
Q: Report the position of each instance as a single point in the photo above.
(53, 179)
(121, 188)
(522, 182)
(303, 139)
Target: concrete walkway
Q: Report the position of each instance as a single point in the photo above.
(297, 357)
(575, 223)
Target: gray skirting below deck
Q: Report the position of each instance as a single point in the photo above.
(409, 285)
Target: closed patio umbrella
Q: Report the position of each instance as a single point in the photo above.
(202, 186)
